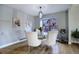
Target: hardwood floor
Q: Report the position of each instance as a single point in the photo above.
(59, 48)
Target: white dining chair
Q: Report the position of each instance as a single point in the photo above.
(51, 38)
(32, 39)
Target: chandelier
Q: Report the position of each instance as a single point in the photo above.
(40, 16)
(40, 13)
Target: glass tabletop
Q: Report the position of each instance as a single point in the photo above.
(41, 37)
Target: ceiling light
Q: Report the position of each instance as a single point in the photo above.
(40, 13)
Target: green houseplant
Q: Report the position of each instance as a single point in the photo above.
(75, 34)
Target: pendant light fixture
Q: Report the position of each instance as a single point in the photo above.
(40, 16)
(40, 13)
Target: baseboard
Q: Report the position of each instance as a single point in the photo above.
(12, 43)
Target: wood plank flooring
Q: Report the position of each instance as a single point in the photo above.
(59, 48)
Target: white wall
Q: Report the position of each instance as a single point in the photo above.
(73, 20)
(7, 28)
(5, 32)
(60, 18)
(5, 25)
(5, 13)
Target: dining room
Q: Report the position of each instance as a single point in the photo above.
(35, 29)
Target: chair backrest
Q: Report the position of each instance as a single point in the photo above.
(32, 39)
(51, 38)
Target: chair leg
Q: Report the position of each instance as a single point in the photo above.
(29, 49)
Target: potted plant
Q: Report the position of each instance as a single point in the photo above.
(75, 34)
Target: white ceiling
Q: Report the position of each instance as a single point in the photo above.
(33, 9)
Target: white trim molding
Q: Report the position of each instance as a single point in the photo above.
(12, 43)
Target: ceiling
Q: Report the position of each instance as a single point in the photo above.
(33, 9)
